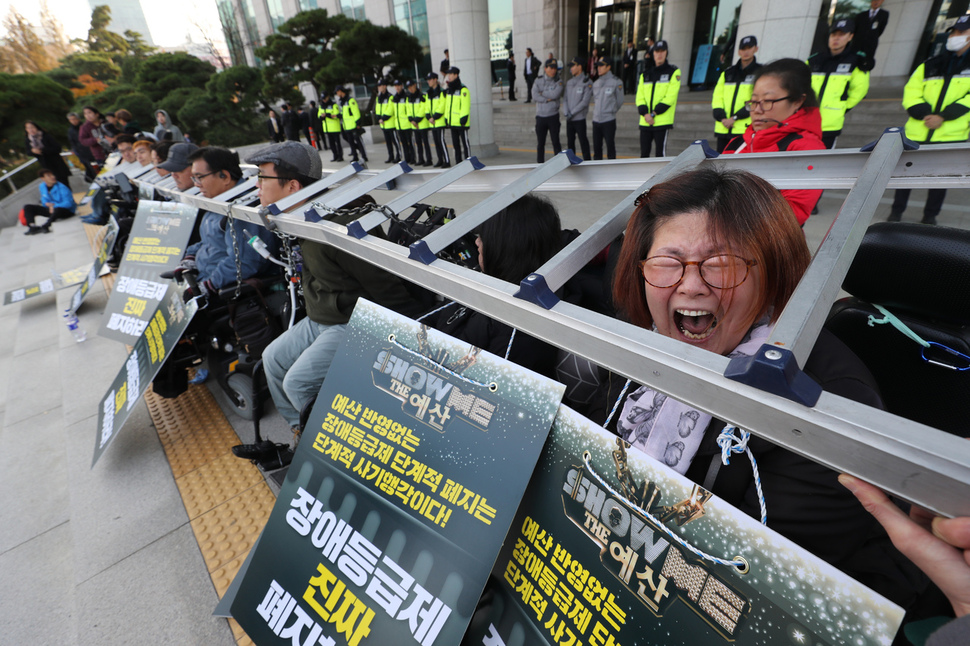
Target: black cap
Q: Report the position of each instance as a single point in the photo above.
(382, 81)
(431, 75)
(398, 82)
(578, 61)
(748, 41)
(339, 88)
(606, 60)
(845, 25)
(660, 45)
(552, 62)
(454, 70)
(410, 83)
(962, 24)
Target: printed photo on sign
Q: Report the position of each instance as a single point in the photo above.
(613, 547)
(400, 494)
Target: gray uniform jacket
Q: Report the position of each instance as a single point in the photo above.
(575, 100)
(546, 93)
(607, 98)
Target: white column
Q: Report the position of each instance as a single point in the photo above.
(783, 29)
(678, 31)
(898, 43)
(468, 49)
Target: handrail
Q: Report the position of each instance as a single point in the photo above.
(8, 175)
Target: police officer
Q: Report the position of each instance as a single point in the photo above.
(459, 110)
(437, 120)
(547, 93)
(575, 105)
(732, 91)
(937, 98)
(838, 80)
(607, 101)
(417, 111)
(403, 123)
(350, 115)
(329, 112)
(657, 101)
(386, 110)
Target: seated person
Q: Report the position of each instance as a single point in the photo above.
(178, 164)
(710, 258)
(511, 244)
(297, 362)
(128, 165)
(56, 203)
(215, 171)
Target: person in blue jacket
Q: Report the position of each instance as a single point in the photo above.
(56, 203)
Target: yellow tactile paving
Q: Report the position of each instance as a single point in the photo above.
(227, 499)
(216, 482)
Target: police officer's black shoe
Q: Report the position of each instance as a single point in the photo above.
(928, 219)
(446, 165)
(894, 216)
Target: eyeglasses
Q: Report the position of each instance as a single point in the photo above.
(765, 104)
(260, 178)
(724, 271)
(198, 178)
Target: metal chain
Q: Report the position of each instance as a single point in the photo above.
(356, 212)
(235, 252)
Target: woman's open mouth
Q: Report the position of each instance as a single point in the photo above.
(696, 325)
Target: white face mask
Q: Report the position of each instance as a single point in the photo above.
(956, 43)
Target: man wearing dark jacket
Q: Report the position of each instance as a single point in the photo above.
(510, 67)
(869, 26)
(530, 71)
(291, 123)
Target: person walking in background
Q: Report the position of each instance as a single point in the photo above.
(437, 119)
(936, 98)
(732, 91)
(607, 101)
(657, 102)
(838, 80)
(510, 68)
(869, 26)
(575, 105)
(458, 114)
(530, 71)
(548, 93)
(291, 123)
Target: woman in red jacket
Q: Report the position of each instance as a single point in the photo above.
(784, 116)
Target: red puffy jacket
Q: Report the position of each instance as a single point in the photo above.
(801, 131)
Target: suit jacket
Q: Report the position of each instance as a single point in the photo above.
(867, 32)
(531, 67)
(510, 66)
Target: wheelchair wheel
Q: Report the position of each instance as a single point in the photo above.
(241, 394)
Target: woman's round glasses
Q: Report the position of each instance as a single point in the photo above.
(723, 271)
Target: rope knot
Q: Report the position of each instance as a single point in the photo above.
(731, 443)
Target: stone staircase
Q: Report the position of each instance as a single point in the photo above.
(514, 123)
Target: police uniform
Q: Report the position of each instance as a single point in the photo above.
(386, 110)
(329, 113)
(940, 86)
(657, 97)
(417, 114)
(350, 115)
(575, 105)
(547, 93)
(403, 123)
(839, 83)
(438, 122)
(458, 112)
(732, 91)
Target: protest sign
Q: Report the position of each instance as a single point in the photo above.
(150, 351)
(401, 491)
(108, 234)
(589, 560)
(56, 281)
(156, 243)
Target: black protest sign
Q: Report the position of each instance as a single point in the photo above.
(611, 547)
(108, 234)
(401, 491)
(156, 243)
(150, 351)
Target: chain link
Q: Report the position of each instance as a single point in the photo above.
(356, 212)
(230, 220)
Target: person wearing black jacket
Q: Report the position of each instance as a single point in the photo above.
(869, 26)
(510, 67)
(291, 123)
(83, 152)
(732, 92)
(274, 127)
(629, 69)
(530, 71)
(42, 145)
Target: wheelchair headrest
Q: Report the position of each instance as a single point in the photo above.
(917, 268)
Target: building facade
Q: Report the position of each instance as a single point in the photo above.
(125, 15)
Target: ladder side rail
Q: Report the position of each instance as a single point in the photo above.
(426, 249)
